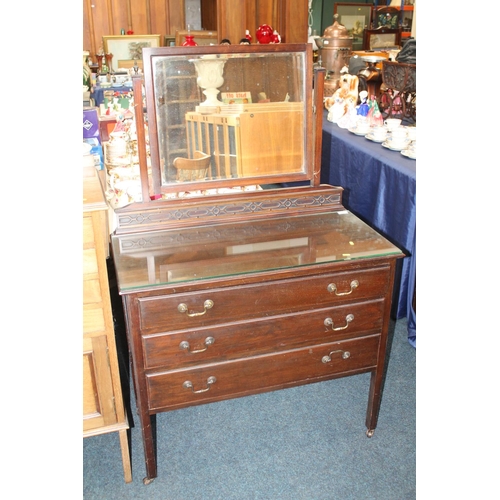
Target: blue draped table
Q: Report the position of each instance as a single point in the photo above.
(380, 188)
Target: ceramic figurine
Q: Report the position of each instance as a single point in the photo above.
(344, 98)
(336, 110)
(350, 118)
(265, 33)
(363, 108)
(374, 115)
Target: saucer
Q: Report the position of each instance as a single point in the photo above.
(409, 154)
(117, 85)
(370, 137)
(388, 144)
(357, 132)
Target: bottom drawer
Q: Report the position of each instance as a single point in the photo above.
(212, 382)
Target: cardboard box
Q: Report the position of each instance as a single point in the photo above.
(91, 123)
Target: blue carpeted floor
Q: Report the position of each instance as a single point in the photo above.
(304, 443)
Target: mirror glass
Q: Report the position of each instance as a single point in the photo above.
(227, 116)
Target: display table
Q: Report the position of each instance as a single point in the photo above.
(380, 187)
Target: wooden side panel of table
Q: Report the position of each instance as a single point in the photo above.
(103, 408)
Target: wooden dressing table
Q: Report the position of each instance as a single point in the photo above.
(227, 295)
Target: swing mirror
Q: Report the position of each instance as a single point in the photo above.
(228, 116)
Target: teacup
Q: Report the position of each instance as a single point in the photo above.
(379, 132)
(363, 127)
(412, 133)
(392, 123)
(399, 134)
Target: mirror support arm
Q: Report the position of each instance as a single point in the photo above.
(318, 87)
(141, 138)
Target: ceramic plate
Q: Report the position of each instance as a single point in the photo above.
(354, 131)
(409, 154)
(117, 85)
(388, 144)
(374, 139)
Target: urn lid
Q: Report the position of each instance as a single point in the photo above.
(336, 30)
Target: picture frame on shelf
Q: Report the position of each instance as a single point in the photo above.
(201, 37)
(128, 48)
(169, 41)
(355, 17)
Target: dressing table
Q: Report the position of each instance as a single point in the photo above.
(231, 284)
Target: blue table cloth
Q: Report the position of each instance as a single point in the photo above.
(380, 188)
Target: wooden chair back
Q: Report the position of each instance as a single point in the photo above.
(192, 169)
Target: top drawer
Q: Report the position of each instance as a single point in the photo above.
(216, 306)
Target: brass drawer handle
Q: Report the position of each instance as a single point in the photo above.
(183, 308)
(189, 385)
(184, 345)
(348, 319)
(328, 358)
(332, 287)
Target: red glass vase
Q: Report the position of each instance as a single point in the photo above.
(189, 42)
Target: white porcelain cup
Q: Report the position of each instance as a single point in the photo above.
(363, 126)
(392, 123)
(399, 133)
(412, 133)
(379, 132)
(399, 137)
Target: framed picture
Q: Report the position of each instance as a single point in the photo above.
(169, 41)
(353, 24)
(355, 17)
(200, 37)
(127, 48)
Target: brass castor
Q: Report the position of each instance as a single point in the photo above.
(148, 480)
(369, 432)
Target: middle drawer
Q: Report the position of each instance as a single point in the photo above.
(262, 335)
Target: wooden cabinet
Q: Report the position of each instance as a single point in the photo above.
(245, 143)
(291, 291)
(103, 409)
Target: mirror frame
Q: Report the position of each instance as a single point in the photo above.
(156, 190)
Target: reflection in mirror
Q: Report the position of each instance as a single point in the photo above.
(232, 117)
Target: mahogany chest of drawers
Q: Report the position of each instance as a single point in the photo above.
(223, 307)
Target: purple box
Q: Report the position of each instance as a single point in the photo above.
(91, 124)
